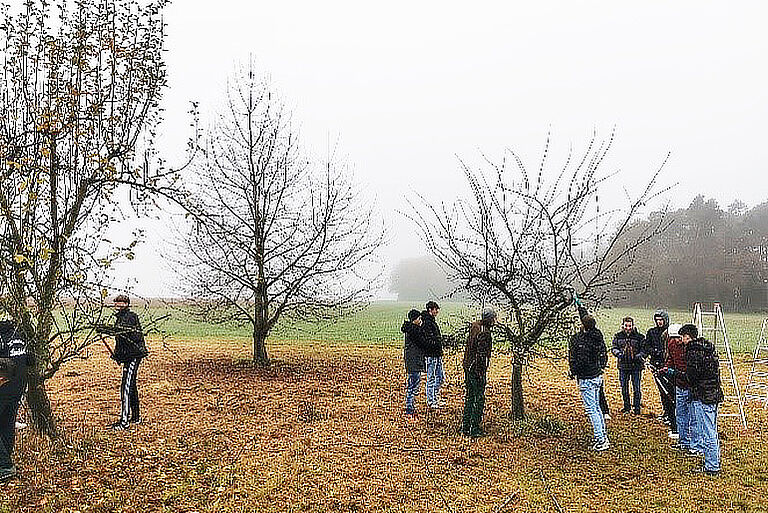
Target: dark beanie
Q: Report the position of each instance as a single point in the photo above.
(413, 315)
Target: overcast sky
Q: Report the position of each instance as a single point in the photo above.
(406, 86)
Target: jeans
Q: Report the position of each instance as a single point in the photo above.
(474, 402)
(624, 377)
(411, 389)
(706, 415)
(590, 395)
(687, 420)
(435, 378)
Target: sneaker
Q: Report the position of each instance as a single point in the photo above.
(435, 406)
(118, 426)
(673, 435)
(636, 412)
(607, 416)
(625, 410)
(712, 473)
(602, 446)
(667, 422)
(7, 474)
(20, 425)
(679, 447)
(693, 453)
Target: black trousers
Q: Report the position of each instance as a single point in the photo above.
(667, 395)
(129, 392)
(603, 401)
(10, 395)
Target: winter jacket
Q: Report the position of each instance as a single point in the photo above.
(676, 361)
(477, 353)
(129, 339)
(587, 354)
(14, 360)
(655, 345)
(629, 349)
(432, 334)
(415, 344)
(703, 371)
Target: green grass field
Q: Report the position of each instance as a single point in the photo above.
(379, 324)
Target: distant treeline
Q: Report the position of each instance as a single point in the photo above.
(706, 254)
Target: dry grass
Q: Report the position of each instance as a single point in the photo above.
(322, 430)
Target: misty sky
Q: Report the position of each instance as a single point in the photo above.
(405, 87)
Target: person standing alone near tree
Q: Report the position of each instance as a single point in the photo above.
(129, 350)
(477, 357)
(629, 349)
(433, 354)
(587, 356)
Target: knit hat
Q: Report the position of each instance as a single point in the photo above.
(413, 315)
(488, 313)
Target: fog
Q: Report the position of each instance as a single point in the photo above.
(404, 88)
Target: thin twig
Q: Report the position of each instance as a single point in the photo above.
(549, 490)
(501, 507)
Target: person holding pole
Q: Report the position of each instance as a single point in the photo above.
(656, 347)
(129, 350)
(587, 357)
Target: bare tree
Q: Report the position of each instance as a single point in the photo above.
(524, 240)
(80, 86)
(275, 234)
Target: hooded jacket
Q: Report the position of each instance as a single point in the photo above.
(415, 344)
(477, 353)
(14, 359)
(703, 371)
(655, 345)
(129, 339)
(629, 349)
(432, 334)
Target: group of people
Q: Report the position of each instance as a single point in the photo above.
(684, 366)
(16, 357)
(423, 353)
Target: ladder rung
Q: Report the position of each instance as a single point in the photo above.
(760, 374)
(762, 361)
(736, 397)
(729, 414)
(757, 385)
(759, 397)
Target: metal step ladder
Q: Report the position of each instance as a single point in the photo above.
(711, 325)
(757, 386)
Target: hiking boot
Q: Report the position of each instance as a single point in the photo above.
(607, 416)
(679, 447)
(673, 435)
(118, 426)
(20, 424)
(693, 453)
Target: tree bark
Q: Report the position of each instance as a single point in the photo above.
(517, 411)
(39, 405)
(260, 356)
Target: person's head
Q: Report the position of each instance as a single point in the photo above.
(415, 317)
(674, 330)
(661, 318)
(488, 317)
(627, 324)
(689, 332)
(433, 308)
(588, 322)
(122, 302)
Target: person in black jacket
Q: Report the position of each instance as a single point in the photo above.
(656, 348)
(413, 355)
(702, 369)
(433, 354)
(14, 360)
(587, 357)
(129, 350)
(629, 349)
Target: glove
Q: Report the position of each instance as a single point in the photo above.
(576, 299)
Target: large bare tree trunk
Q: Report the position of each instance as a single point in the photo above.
(260, 356)
(39, 405)
(517, 407)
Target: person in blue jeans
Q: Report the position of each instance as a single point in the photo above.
(587, 357)
(433, 354)
(675, 368)
(703, 373)
(629, 349)
(413, 355)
